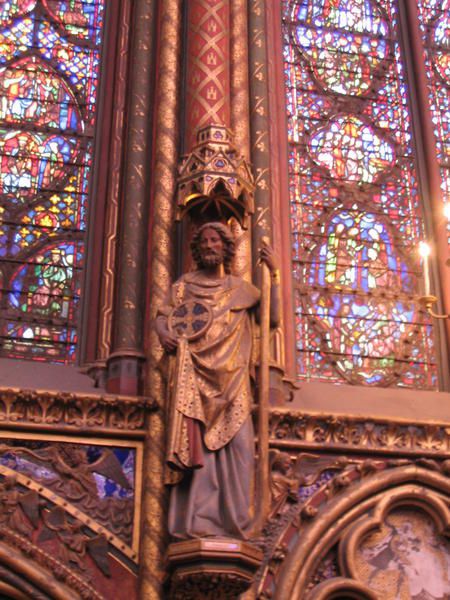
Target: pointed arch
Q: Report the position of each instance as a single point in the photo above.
(409, 486)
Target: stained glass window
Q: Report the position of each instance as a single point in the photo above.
(49, 70)
(355, 204)
(435, 25)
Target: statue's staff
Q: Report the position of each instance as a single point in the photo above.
(263, 489)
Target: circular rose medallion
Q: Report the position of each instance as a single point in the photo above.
(190, 319)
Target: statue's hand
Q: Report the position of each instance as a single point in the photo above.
(169, 341)
(267, 255)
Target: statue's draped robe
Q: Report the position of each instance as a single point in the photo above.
(210, 429)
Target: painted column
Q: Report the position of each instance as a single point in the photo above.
(280, 200)
(208, 67)
(259, 127)
(124, 362)
(217, 96)
(103, 236)
(261, 226)
(240, 121)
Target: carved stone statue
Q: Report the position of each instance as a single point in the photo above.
(207, 322)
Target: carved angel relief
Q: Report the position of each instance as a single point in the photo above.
(19, 511)
(284, 481)
(67, 470)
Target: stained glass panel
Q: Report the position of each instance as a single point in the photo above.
(15, 8)
(16, 39)
(341, 63)
(49, 69)
(435, 24)
(355, 206)
(82, 19)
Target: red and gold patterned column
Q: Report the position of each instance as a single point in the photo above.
(208, 66)
(216, 106)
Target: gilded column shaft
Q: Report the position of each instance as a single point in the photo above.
(128, 315)
(208, 66)
(105, 315)
(240, 121)
(259, 124)
(260, 146)
(153, 541)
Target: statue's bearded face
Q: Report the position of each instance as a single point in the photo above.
(211, 248)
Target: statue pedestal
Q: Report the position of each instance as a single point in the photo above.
(216, 568)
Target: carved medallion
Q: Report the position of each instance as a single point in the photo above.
(190, 319)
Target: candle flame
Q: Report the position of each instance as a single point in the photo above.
(424, 249)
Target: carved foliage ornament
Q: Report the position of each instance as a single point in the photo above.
(123, 415)
(294, 429)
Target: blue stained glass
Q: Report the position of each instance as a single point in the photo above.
(76, 63)
(16, 39)
(49, 63)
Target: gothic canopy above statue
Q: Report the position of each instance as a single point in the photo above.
(215, 181)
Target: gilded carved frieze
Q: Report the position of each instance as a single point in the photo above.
(297, 430)
(35, 409)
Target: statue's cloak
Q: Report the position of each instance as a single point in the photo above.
(209, 385)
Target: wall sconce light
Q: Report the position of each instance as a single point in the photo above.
(428, 300)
